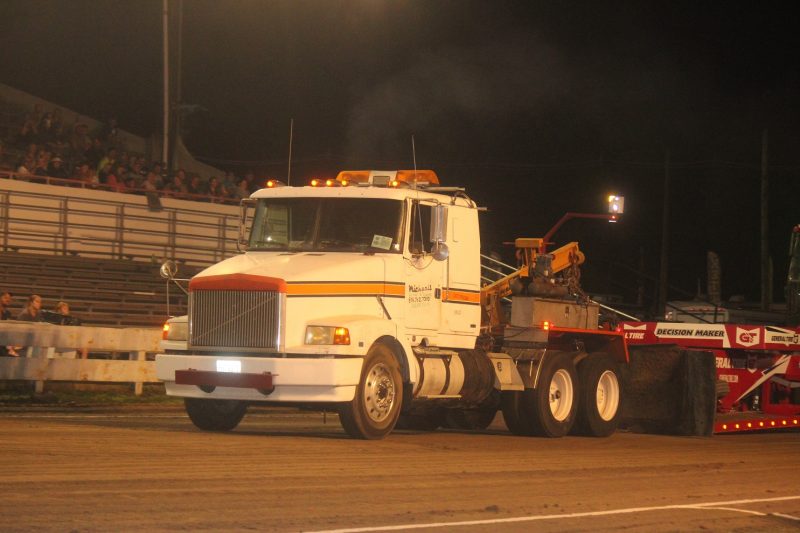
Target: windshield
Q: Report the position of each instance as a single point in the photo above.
(327, 225)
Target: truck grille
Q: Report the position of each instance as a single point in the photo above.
(235, 319)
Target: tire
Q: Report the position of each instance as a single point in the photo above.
(373, 412)
(470, 419)
(549, 409)
(553, 402)
(515, 416)
(599, 396)
(215, 415)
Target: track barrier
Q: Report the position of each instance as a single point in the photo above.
(50, 354)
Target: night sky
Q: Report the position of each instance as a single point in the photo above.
(537, 108)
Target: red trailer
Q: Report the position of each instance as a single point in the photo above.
(758, 369)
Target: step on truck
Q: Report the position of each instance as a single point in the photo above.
(367, 294)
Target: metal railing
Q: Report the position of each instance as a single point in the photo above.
(73, 221)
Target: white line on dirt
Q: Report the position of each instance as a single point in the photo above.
(788, 516)
(708, 505)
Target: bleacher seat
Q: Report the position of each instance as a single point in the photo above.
(100, 292)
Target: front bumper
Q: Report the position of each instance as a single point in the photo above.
(302, 379)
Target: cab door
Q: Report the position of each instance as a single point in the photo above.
(423, 274)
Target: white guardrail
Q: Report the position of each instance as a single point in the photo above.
(50, 353)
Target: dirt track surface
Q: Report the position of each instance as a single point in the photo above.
(148, 469)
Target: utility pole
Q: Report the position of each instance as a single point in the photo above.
(663, 278)
(766, 281)
(165, 132)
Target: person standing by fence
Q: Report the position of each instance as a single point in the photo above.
(31, 311)
(5, 314)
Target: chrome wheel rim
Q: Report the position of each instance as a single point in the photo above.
(379, 393)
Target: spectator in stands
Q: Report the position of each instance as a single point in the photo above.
(114, 179)
(5, 305)
(80, 141)
(109, 159)
(178, 187)
(151, 182)
(58, 122)
(214, 189)
(252, 182)
(242, 190)
(26, 165)
(31, 311)
(5, 314)
(196, 185)
(95, 153)
(56, 168)
(62, 317)
(108, 133)
(85, 174)
(45, 131)
(42, 164)
(136, 174)
(62, 308)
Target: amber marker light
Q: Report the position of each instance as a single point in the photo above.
(165, 331)
(341, 336)
(546, 325)
(315, 182)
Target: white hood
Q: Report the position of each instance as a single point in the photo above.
(306, 266)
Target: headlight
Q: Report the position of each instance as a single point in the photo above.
(175, 331)
(327, 335)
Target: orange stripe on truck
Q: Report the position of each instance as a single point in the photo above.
(456, 296)
(325, 288)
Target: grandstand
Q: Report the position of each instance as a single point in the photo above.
(101, 292)
(94, 247)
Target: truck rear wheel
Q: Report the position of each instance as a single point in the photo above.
(553, 402)
(599, 396)
(215, 415)
(373, 412)
(549, 409)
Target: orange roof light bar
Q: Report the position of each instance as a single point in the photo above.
(386, 178)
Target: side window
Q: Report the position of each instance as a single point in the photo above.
(420, 242)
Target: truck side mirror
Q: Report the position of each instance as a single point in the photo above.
(242, 242)
(439, 232)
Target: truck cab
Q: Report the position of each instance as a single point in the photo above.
(331, 274)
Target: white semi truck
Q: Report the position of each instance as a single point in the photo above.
(364, 294)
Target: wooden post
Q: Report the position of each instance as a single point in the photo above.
(140, 355)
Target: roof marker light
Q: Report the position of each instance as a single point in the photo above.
(315, 182)
(274, 183)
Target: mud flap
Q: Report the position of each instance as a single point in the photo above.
(669, 390)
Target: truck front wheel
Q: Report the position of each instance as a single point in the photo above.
(215, 415)
(599, 397)
(373, 412)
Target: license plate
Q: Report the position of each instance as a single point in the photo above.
(226, 365)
